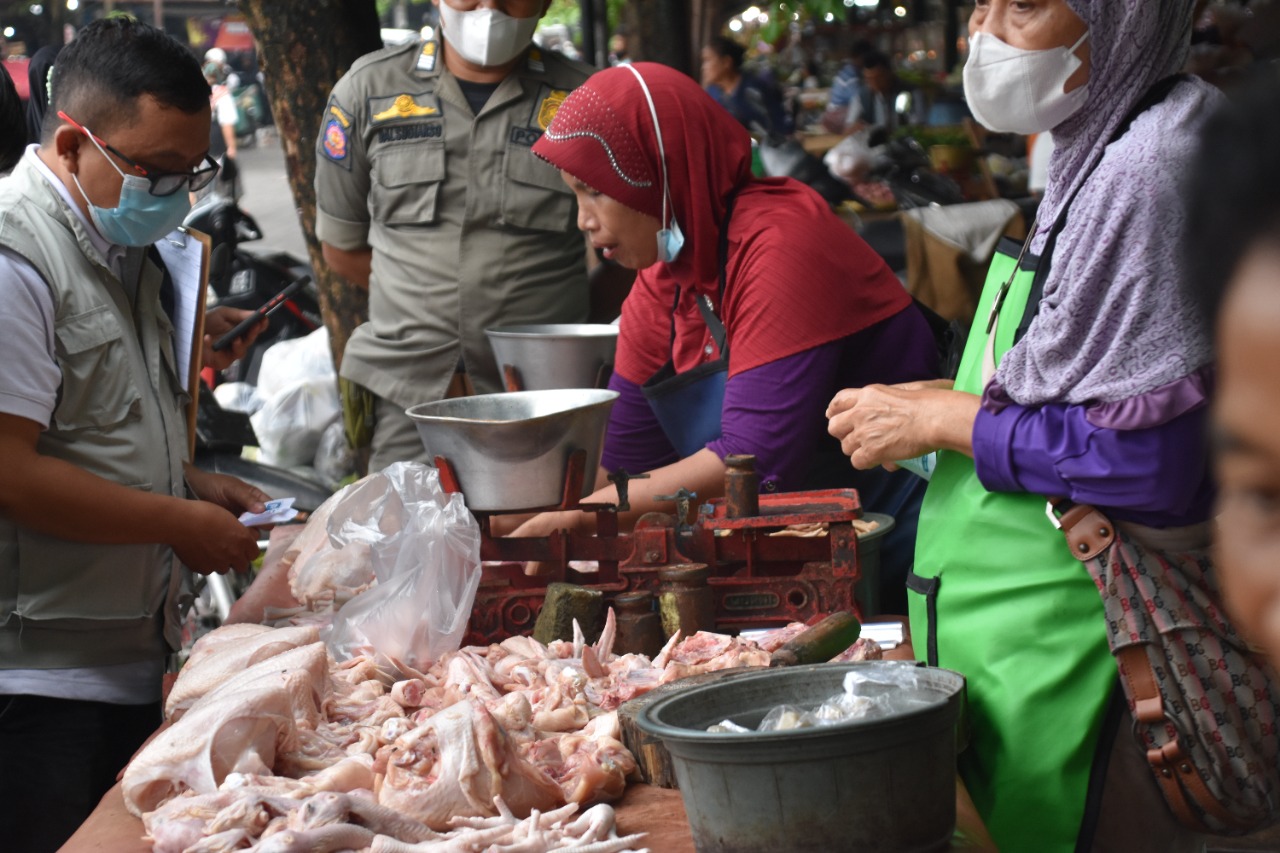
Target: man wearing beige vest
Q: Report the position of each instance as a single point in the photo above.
(99, 506)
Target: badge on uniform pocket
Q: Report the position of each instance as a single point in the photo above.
(403, 107)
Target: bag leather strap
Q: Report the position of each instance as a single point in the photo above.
(1088, 531)
(1177, 777)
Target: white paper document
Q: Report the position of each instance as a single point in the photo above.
(277, 512)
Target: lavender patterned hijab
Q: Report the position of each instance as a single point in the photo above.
(1113, 323)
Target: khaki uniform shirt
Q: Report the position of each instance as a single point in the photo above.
(469, 229)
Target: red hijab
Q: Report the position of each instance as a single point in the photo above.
(797, 276)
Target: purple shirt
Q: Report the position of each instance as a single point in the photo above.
(777, 411)
(1157, 475)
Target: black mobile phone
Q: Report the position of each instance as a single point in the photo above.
(264, 311)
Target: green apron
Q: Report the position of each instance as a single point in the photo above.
(1000, 599)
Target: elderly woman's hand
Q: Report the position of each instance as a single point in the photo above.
(882, 424)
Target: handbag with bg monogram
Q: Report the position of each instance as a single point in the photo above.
(1205, 707)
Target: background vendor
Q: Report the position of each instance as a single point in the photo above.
(753, 304)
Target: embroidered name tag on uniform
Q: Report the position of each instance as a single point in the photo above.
(549, 101)
(402, 108)
(427, 59)
(406, 132)
(525, 136)
(336, 134)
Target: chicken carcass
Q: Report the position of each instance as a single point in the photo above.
(239, 726)
(228, 651)
(454, 764)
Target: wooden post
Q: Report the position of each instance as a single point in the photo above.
(950, 35)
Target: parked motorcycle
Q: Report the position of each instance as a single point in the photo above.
(242, 279)
(239, 278)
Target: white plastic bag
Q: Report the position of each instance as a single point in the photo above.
(291, 422)
(289, 362)
(238, 397)
(851, 158)
(426, 556)
(299, 389)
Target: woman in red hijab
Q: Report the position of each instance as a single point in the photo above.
(753, 306)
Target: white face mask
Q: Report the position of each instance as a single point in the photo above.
(486, 36)
(1011, 90)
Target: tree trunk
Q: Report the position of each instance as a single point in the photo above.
(304, 46)
(706, 19)
(660, 33)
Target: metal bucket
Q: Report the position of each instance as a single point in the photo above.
(556, 355)
(511, 451)
(868, 785)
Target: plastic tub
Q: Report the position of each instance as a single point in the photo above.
(867, 590)
(868, 785)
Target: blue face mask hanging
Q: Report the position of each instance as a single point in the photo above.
(670, 238)
(139, 218)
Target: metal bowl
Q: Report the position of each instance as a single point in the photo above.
(511, 451)
(555, 355)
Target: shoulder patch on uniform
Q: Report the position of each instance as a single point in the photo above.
(546, 106)
(427, 57)
(535, 63)
(336, 134)
(402, 107)
(335, 111)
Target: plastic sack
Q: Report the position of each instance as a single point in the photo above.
(334, 459)
(851, 158)
(869, 694)
(289, 362)
(238, 397)
(425, 550)
(290, 424)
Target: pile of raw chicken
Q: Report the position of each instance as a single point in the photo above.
(273, 745)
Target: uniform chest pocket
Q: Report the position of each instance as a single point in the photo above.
(406, 183)
(534, 195)
(98, 388)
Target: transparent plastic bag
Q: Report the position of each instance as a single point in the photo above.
(334, 459)
(869, 694)
(425, 550)
(786, 717)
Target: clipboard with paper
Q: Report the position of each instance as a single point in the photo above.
(185, 253)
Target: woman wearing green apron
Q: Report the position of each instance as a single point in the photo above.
(1085, 376)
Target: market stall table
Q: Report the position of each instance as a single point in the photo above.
(819, 143)
(645, 808)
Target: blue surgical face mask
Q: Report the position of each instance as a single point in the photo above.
(670, 242)
(139, 218)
